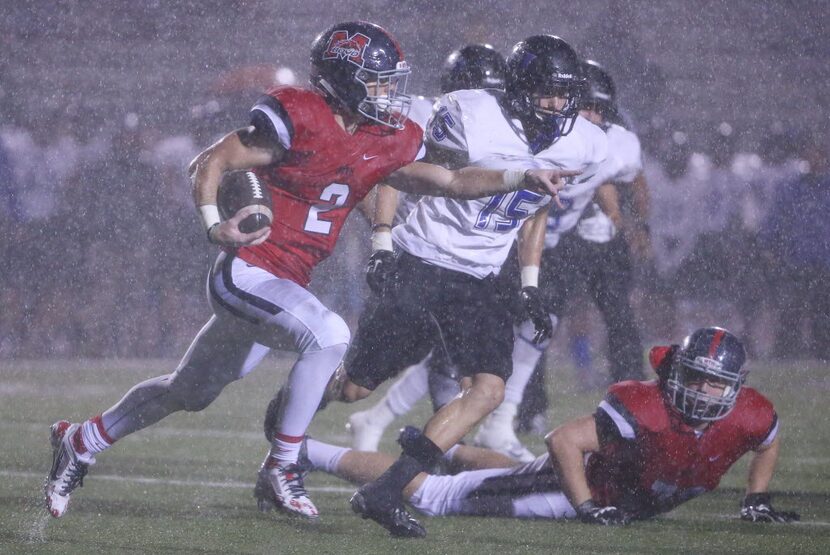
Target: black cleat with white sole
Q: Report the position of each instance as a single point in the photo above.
(394, 517)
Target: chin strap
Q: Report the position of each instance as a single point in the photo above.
(541, 136)
(331, 95)
(540, 133)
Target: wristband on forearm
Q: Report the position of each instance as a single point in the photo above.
(530, 276)
(210, 215)
(514, 179)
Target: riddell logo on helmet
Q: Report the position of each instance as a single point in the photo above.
(346, 47)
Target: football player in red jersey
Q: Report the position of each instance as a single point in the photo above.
(649, 447)
(657, 444)
(319, 151)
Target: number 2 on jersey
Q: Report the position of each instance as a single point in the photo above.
(336, 194)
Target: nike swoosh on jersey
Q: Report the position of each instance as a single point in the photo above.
(370, 157)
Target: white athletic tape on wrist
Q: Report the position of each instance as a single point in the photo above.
(210, 215)
(530, 276)
(514, 178)
(382, 241)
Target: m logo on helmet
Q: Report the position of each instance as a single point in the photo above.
(346, 47)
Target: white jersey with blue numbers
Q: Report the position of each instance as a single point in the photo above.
(622, 165)
(419, 113)
(469, 128)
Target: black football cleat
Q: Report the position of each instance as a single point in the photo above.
(393, 517)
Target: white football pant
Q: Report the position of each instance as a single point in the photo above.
(254, 312)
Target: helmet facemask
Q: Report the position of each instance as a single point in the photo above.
(689, 375)
(385, 101)
(544, 126)
(563, 119)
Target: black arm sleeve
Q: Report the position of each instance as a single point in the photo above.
(607, 431)
(272, 128)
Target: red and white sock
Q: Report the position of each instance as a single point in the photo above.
(91, 438)
(284, 449)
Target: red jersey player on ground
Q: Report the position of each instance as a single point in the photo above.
(320, 151)
(649, 447)
(654, 445)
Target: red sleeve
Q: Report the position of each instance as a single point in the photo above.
(301, 107)
(756, 416)
(415, 142)
(634, 405)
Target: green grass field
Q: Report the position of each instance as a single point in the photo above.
(184, 486)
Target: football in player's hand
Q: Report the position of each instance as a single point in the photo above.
(241, 189)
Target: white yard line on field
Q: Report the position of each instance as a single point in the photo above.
(323, 489)
(168, 431)
(736, 518)
(172, 482)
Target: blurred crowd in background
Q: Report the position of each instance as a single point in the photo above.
(103, 255)
(102, 106)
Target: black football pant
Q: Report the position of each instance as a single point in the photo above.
(605, 270)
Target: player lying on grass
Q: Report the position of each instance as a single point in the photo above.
(649, 447)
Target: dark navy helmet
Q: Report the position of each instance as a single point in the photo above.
(475, 66)
(543, 66)
(709, 355)
(599, 94)
(361, 67)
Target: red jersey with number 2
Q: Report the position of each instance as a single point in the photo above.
(324, 174)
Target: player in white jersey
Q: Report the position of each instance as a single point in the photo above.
(606, 241)
(451, 252)
(564, 261)
(475, 66)
(600, 253)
